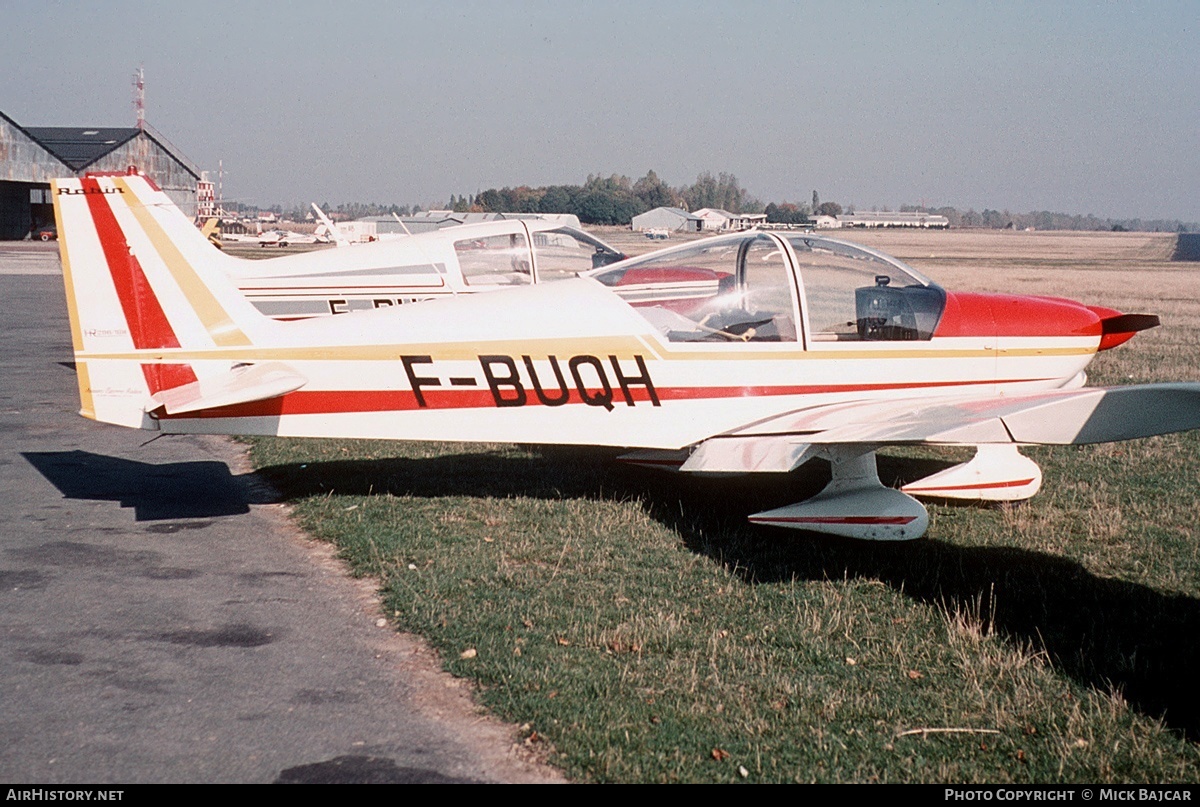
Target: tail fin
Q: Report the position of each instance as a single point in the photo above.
(147, 297)
(337, 235)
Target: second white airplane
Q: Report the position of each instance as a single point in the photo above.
(465, 259)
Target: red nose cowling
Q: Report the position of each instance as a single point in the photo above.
(971, 314)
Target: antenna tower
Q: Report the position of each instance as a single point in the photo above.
(139, 96)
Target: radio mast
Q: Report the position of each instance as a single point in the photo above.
(139, 96)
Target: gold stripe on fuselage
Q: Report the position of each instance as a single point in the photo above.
(469, 351)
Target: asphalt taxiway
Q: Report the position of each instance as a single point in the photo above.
(160, 620)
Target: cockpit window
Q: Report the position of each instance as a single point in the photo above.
(495, 260)
(736, 289)
(565, 252)
(855, 294)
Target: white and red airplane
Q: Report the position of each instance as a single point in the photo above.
(752, 352)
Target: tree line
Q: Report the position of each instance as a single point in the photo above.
(615, 199)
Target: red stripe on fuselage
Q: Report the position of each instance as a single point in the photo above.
(689, 393)
(304, 402)
(167, 376)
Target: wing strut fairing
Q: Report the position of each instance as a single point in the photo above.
(854, 504)
(997, 473)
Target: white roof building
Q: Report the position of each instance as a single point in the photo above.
(715, 219)
(888, 218)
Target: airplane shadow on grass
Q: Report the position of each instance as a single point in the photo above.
(1104, 633)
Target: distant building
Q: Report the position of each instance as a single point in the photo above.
(206, 197)
(714, 219)
(31, 156)
(672, 219)
(823, 222)
(363, 230)
(887, 218)
(744, 221)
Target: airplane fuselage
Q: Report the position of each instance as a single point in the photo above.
(441, 371)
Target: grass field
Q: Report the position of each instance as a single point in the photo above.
(640, 630)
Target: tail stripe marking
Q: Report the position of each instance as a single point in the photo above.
(87, 406)
(210, 311)
(148, 324)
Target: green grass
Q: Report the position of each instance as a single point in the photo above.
(643, 630)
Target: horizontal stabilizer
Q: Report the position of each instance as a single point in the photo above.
(256, 382)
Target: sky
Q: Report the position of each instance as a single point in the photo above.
(1074, 107)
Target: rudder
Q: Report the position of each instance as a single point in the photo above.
(145, 293)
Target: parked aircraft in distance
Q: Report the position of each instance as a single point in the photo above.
(752, 352)
(335, 234)
(284, 238)
(330, 229)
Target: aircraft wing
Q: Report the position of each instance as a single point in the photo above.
(242, 385)
(1059, 417)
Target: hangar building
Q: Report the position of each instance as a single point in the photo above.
(31, 156)
(668, 218)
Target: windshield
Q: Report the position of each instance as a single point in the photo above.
(725, 289)
(855, 293)
(565, 252)
(494, 260)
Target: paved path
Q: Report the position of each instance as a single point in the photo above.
(159, 624)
